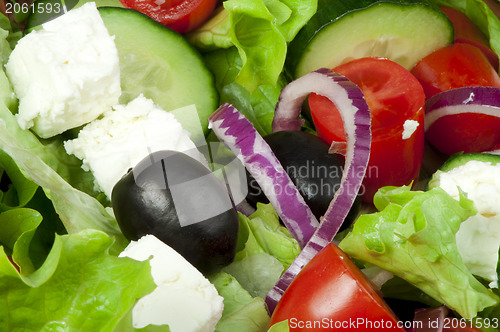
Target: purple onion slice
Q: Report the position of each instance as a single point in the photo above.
(473, 99)
(429, 319)
(355, 114)
(234, 130)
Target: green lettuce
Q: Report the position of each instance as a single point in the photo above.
(245, 46)
(280, 327)
(257, 106)
(266, 234)
(10, 34)
(265, 250)
(260, 30)
(77, 210)
(242, 312)
(413, 237)
(79, 287)
(268, 249)
(20, 190)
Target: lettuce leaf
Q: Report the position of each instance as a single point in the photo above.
(413, 237)
(245, 46)
(79, 287)
(280, 327)
(20, 190)
(266, 234)
(242, 312)
(258, 106)
(260, 30)
(267, 250)
(18, 228)
(77, 210)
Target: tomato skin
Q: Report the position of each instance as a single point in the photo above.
(179, 15)
(329, 289)
(464, 133)
(455, 66)
(394, 96)
(463, 26)
(467, 32)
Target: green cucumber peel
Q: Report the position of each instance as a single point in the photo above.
(344, 30)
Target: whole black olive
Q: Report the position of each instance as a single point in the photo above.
(316, 173)
(177, 199)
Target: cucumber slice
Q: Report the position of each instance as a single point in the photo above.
(403, 31)
(159, 63)
(460, 159)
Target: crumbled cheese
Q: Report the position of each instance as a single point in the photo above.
(409, 127)
(480, 180)
(66, 74)
(478, 238)
(184, 298)
(110, 146)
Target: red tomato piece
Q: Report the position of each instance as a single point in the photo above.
(466, 132)
(179, 15)
(454, 66)
(394, 96)
(332, 294)
(467, 32)
(463, 26)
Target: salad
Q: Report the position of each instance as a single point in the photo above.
(249, 165)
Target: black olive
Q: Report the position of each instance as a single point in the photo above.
(315, 172)
(404, 309)
(177, 199)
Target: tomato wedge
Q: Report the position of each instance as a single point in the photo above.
(332, 294)
(179, 15)
(394, 96)
(467, 32)
(455, 66)
(466, 133)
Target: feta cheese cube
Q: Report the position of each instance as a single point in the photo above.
(109, 146)
(184, 298)
(66, 74)
(478, 239)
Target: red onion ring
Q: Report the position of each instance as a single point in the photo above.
(429, 319)
(473, 99)
(355, 114)
(234, 130)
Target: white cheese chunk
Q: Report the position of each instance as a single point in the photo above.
(184, 298)
(109, 146)
(409, 127)
(66, 74)
(478, 238)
